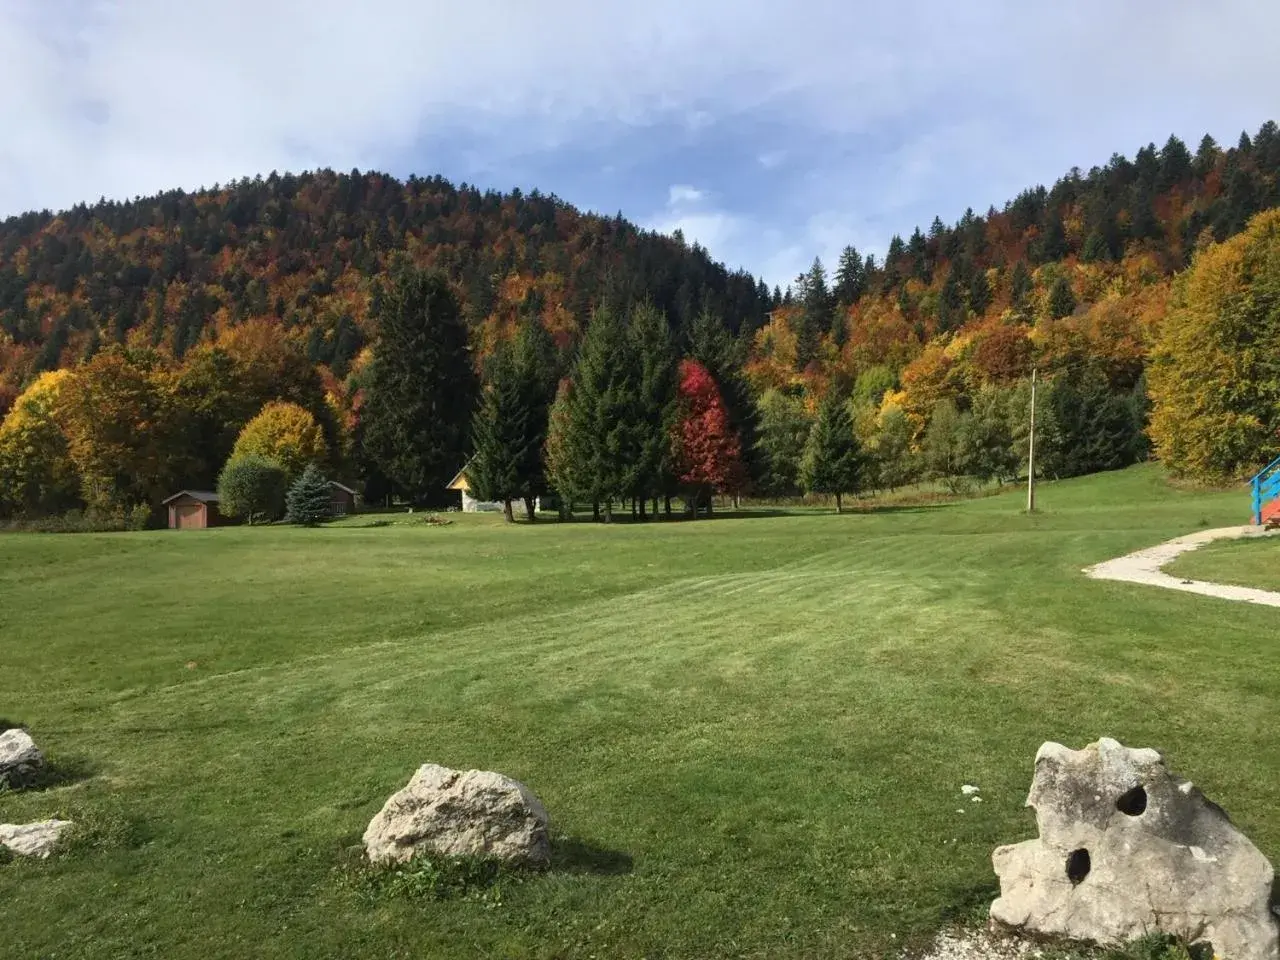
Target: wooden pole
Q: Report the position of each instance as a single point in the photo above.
(1031, 450)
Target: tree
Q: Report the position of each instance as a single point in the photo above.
(784, 431)
(36, 472)
(1097, 429)
(309, 500)
(657, 398)
(538, 368)
(851, 277)
(606, 420)
(1215, 368)
(816, 318)
(421, 386)
(947, 448)
(1061, 301)
(501, 435)
(285, 433)
(896, 463)
(832, 462)
(1021, 284)
(713, 347)
(252, 487)
(707, 454)
(117, 413)
(559, 451)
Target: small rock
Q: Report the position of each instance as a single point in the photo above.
(33, 839)
(1125, 849)
(975, 799)
(20, 759)
(460, 813)
(969, 789)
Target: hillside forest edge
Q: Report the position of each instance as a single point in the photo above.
(390, 333)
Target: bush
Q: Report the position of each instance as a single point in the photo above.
(91, 520)
(309, 500)
(252, 487)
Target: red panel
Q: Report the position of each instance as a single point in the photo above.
(1271, 512)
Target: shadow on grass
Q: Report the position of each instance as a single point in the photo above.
(574, 855)
(60, 772)
(970, 905)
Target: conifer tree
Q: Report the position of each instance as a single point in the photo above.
(421, 386)
(832, 460)
(501, 435)
(309, 500)
(851, 277)
(657, 399)
(538, 366)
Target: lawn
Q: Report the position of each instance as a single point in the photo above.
(750, 732)
(1244, 563)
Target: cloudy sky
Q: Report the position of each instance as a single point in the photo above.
(770, 131)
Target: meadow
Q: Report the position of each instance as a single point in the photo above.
(750, 732)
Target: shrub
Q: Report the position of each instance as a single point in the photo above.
(252, 487)
(309, 500)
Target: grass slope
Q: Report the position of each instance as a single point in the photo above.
(1244, 563)
(750, 733)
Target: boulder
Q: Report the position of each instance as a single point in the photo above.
(33, 839)
(20, 759)
(1127, 848)
(460, 813)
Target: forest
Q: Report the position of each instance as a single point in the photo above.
(391, 332)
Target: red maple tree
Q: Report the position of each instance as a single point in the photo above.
(708, 454)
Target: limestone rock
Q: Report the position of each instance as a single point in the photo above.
(1127, 848)
(20, 759)
(33, 839)
(460, 813)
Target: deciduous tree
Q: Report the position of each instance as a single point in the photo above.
(285, 433)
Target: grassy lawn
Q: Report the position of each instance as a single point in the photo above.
(750, 732)
(1244, 563)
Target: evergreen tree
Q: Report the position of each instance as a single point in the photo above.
(979, 293)
(655, 350)
(711, 345)
(500, 434)
(607, 422)
(1206, 157)
(309, 500)
(816, 316)
(1061, 302)
(538, 366)
(832, 461)
(421, 386)
(1021, 285)
(851, 277)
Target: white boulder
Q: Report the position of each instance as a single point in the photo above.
(460, 813)
(20, 759)
(1126, 848)
(33, 839)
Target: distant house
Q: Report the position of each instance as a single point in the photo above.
(342, 499)
(470, 504)
(193, 510)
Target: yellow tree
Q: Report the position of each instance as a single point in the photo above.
(286, 433)
(36, 472)
(1214, 379)
(118, 415)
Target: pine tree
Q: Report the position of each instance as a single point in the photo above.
(500, 434)
(538, 365)
(1062, 302)
(415, 420)
(851, 277)
(657, 398)
(1020, 284)
(832, 460)
(816, 320)
(309, 500)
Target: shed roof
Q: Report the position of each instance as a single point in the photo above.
(204, 496)
(343, 487)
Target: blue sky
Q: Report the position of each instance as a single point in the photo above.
(770, 132)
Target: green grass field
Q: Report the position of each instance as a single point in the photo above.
(1244, 563)
(750, 733)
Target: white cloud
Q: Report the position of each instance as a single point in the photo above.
(682, 193)
(879, 111)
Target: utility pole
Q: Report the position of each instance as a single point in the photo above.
(1031, 450)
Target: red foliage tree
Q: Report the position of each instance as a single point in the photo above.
(707, 451)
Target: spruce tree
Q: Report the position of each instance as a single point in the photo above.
(500, 434)
(309, 500)
(657, 400)
(415, 421)
(538, 364)
(851, 277)
(1021, 285)
(1062, 302)
(832, 460)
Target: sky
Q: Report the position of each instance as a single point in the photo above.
(769, 132)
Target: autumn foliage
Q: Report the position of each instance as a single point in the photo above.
(708, 452)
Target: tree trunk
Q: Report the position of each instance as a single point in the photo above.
(608, 511)
(655, 508)
(666, 506)
(641, 502)
(839, 506)
(595, 510)
(506, 511)
(529, 511)
(694, 504)
(711, 504)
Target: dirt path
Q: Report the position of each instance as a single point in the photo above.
(1143, 566)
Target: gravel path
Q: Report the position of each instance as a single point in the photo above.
(1143, 566)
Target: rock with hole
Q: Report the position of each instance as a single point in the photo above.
(1125, 849)
(460, 813)
(21, 761)
(33, 839)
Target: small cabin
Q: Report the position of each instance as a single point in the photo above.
(193, 510)
(342, 499)
(470, 504)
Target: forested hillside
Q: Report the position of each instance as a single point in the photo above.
(304, 318)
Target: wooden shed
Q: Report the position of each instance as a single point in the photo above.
(342, 499)
(193, 510)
